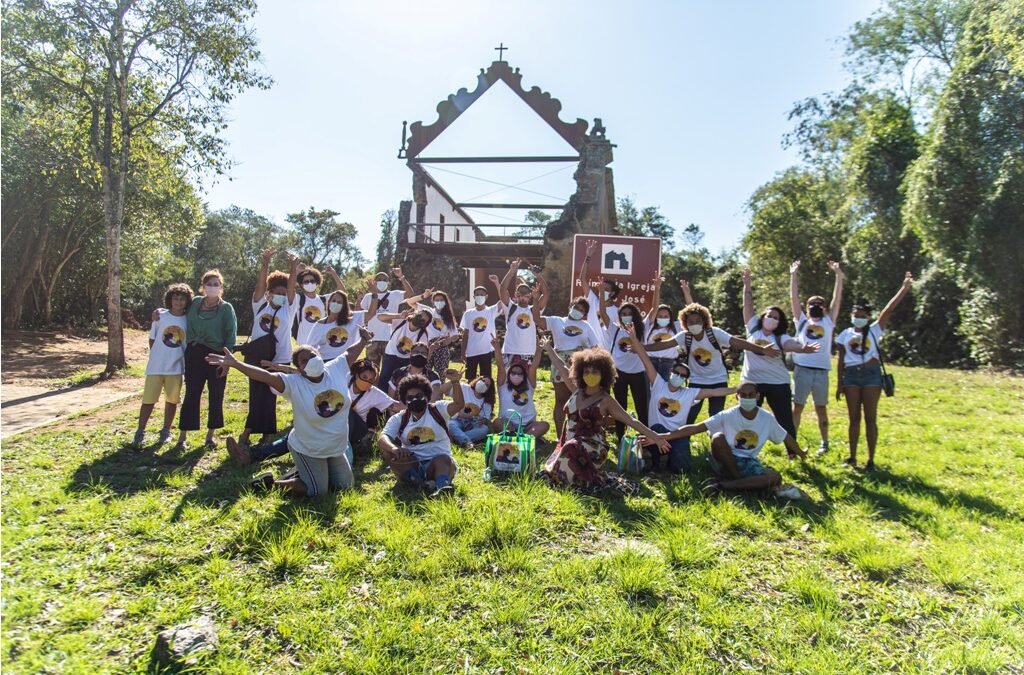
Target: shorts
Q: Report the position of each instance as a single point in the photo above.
(170, 384)
(813, 381)
(566, 356)
(423, 464)
(868, 375)
(747, 466)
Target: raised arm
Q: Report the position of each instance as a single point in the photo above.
(227, 360)
(837, 292)
(406, 286)
(684, 286)
(499, 362)
(534, 367)
(602, 309)
(371, 311)
(657, 281)
(883, 318)
(542, 288)
(352, 353)
(767, 350)
(748, 296)
(557, 362)
(585, 270)
(638, 349)
(333, 274)
(794, 288)
(261, 281)
(458, 400)
(293, 276)
(496, 282)
(503, 293)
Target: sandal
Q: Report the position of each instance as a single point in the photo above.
(262, 482)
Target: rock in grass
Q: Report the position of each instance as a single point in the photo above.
(184, 644)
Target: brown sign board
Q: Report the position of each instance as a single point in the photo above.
(633, 262)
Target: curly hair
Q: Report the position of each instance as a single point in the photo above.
(413, 382)
(616, 287)
(276, 279)
(696, 308)
(212, 274)
(582, 302)
(363, 365)
(311, 272)
(597, 359)
(178, 289)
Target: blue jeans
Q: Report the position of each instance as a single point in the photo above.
(465, 432)
(678, 455)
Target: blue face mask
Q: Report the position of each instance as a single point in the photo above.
(575, 314)
(676, 380)
(748, 404)
(860, 321)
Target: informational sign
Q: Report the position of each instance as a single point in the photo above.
(633, 262)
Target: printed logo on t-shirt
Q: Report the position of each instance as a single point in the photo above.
(572, 331)
(669, 407)
(746, 439)
(328, 403)
(523, 320)
(471, 409)
(860, 345)
(761, 342)
(662, 337)
(479, 324)
(419, 435)
(520, 398)
(438, 323)
(404, 345)
(702, 356)
(311, 313)
(174, 336)
(337, 337)
(265, 322)
(814, 332)
(625, 345)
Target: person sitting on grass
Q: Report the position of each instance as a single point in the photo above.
(320, 406)
(416, 444)
(166, 366)
(737, 436)
(472, 424)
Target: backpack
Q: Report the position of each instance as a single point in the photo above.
(407, 415)
(357, 426)
(714, 343)
(263, 348)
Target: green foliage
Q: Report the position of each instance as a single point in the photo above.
(647, 221)
(388, 241)
(317, 237)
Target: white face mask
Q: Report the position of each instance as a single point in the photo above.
(335, 307)
(278, 299)
(748, 404)
(607, 295)
(439, 304)
(314, 367)
(695, 328)
(627, 320)
(309, 286)
(676, 380)
(382, 286)
(859, 321)
(212, 291)
(575, 314)
(515, 379)
(480, 388)
(769, 324)
(479, 299)
(663, 321)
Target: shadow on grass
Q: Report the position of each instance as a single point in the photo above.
(127, 470)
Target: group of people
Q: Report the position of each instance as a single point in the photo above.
(601, 353)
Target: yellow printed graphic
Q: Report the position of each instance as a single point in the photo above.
(337, 337)
(702, 356)
(814, 332)
(328, 403)
(404, 345)
(419, 435)
(746, 439)
(523, 320)
(669, 407)
(572, 331)
(311, 314)
(479, 324)
(174, 336)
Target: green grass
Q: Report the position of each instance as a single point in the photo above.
(918, 566)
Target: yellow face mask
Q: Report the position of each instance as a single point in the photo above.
(591, 379)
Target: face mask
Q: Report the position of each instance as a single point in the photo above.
(382, 286)
(416, 321)
(314, 367)
(479, 299)
(859, 321)
(676, 380)
(417, 405)
(769, 324)
(515, 379)
(817, 311)
(278, 300)
(592, 379)
(480, 388)
(335, 307)
(748, 404)
(439, 304)
(627, 320)
(418, 360)
(212, 291)
(663, 321)
(363, 385)
(309, 286)
(575, 314)
(695, 328)
(607, 295)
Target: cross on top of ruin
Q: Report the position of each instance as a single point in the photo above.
(501, 51)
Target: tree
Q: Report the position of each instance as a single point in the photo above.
(643, 222)
(317, 237)
(387, 243)
(133, 64)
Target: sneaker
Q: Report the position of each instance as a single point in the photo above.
(790, 492)
(823, 448)
(850, 462)
(140, 438)
(165, 436)
(264, 481)
(443, 491)
(711, 488)
(870, 466)
(238, 452)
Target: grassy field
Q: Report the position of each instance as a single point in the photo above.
(918, 566)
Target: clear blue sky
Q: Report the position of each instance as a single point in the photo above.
(694, 94)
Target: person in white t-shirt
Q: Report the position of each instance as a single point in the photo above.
(472, 424)
(334, 334)
(389, 302)
(860, 369)
(810, 371)
(769, 373)
(610, 290)
(416, 443)
(407, 328)
(166, 366)
(320, 405)
(272, 305)
(368, 403)
(478, 330)
(520, 316)
(311, 307)
(631, 376)
(662, 327)
(516, 385)
(737, 436)
(444, 331)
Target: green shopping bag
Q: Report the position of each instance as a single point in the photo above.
(506, 454)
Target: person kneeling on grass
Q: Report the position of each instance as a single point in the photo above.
(416, 443)
(737, 436)
(320, 406)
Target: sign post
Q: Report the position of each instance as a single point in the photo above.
(633, 262)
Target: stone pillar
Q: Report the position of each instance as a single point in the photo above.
(402, 232)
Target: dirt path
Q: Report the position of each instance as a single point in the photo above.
(39, 371)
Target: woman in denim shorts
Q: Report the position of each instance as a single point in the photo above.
(860, 370)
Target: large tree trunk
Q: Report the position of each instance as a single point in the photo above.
(14, 303)
(113, 211)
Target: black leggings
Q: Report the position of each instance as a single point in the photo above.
(635, 383)
(716, 404)
(780, 400)
(199, 374)
(481, 361)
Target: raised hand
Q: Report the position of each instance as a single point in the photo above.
(225, 360)
(747, 276)
(834, 266)
(329, 270)
(812, 348)
(684, 286)
(493, 278)
(591, 247)
(794, 266)
(496, 342)
(292, 258)
(365, 334)
(397, 271)
(453, 375)
(544, 342)
(266, 254)
(908, 280)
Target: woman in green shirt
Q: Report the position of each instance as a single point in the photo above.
(212, 326)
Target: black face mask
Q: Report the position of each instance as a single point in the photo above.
(418, 360)
(817, 311)
(417, 405)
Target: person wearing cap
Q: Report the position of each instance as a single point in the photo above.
(418, 365)
(520, 322)
(811, 370)
(478, 330)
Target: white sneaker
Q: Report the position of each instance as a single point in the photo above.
(790, 492)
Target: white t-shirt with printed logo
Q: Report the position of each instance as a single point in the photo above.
(706, 364)
(167, 356)
(570, 335)
(363, 402)
(815, 331)
(438, 329)
(746, 437)
(670, 408)
(424, 437)
(268, 319)
(621, 347)
(387, 303)
(319, 410)
(765, 369)
(479, 327)
(475, 403)
(856, 351)
(520, 331)
(594, 317)
(333, 340)
(653, 334)
(521, 402)
(312, 311)
(403, 336)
